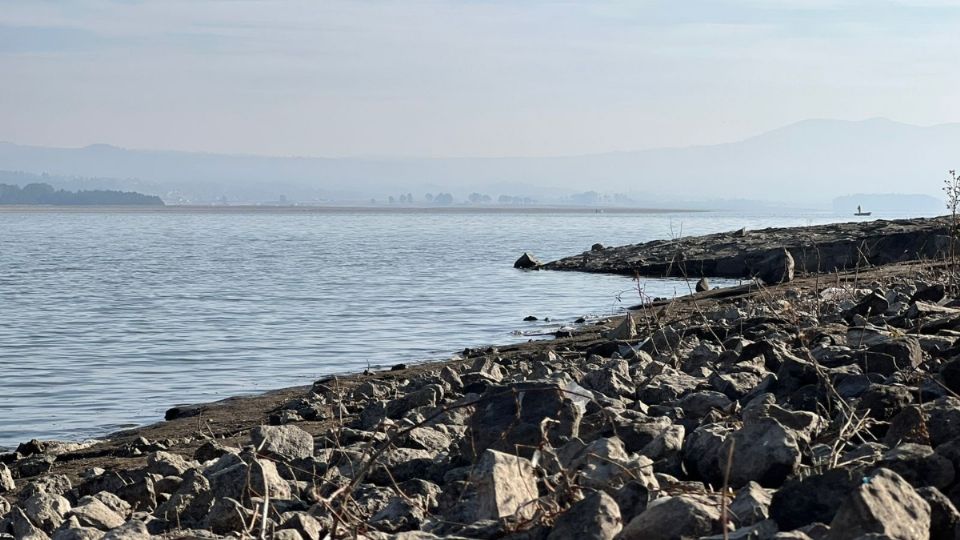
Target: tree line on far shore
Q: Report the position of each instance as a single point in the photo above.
(45, 194)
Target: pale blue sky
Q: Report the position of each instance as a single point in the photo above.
(464, 78)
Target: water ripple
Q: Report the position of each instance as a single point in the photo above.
(108, 319)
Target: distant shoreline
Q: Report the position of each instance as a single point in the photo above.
(332, 209)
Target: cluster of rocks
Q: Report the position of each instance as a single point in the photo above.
(823, 414)
(749, 254)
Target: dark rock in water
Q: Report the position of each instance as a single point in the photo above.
(703, 285)
(527, 261)
(530, 318)
(776, 267)
(812, 499)
(597, 247)
(184, 411)
(884, 504)
(398, 367)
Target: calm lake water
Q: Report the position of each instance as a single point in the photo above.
(109, 318)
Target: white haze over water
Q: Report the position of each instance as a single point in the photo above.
(444, 79)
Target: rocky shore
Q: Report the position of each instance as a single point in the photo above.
(822, 408)
(746, 254)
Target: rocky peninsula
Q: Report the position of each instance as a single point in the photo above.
(822, 407)
(746, 253)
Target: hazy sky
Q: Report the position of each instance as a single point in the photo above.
(458, 78)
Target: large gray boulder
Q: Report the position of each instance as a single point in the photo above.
(167, 464)
(605, 463)
(72, 530)
(936, 422)
(673, 518)
(595, 518)
(23, 528)
(812, 499)
(190, 503)
(46, 510)
(131, 530)
(885, 504)
(241, 481)
(777, 267)
(506, 486)
(920, 465)
(944, 518)
(511, 419)
(626, 330)
(287, 441)
(92, 512)
(763, 451)
(701, 452)
(891, 356)
(751, 505)
(6, 480)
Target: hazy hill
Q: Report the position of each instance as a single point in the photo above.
(810, 162)
(45, 194)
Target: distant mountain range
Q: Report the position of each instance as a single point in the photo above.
(807, 163)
